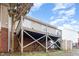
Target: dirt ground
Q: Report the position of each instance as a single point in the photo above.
(74, 52)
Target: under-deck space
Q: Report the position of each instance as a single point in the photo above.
(33, 41)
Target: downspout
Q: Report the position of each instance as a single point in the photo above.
(9, 33)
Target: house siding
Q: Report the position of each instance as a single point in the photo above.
(4, 28)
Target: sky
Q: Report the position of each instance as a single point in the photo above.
(57, 14)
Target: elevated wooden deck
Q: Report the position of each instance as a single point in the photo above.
(33, 25)
(40, 33)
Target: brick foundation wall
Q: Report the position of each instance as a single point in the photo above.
(4, 40)
(0, 40)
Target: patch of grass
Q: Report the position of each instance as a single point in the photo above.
(42, 53)
(49, 53)
(30, 54)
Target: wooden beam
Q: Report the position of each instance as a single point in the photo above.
(34, 39)
(54, 42)
(19, 41)
(34, 42)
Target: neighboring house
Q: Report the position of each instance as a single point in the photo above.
(69, 34)
(78, 41)
(70, 37)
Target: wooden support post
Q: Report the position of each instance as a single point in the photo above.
(46, 40)
(21, 34)
(12, 30)
(13, 34)
(46, 43)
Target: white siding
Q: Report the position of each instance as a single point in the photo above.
(4, 15)
(43, 28)
(51, 30)
(69, 35)
(36, 26)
